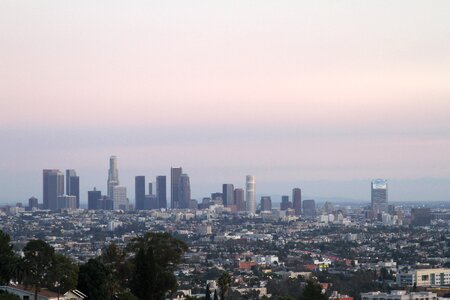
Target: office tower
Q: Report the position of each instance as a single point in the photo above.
(67, 202)
(53, 186)
(239, 199)
(228, 194)
(113, 176)
(139, 191)
(73, 185)
(297, 201)
(32, 203)
(217, 197)
(150, 188)
(193, 204)
(175, 174)
(285, 203)
(379, 195)
(266, 203)
(161, 191)
(250, 198)
(151, 202)
(120, 197)
(421, 216)
(105, 203)
(94, 197)
(309, 208)
(184, 195)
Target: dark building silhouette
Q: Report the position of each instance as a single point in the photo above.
(266, 203)
(94, 198)
(73, 185)
(239, 199)
(151, 202)
(139, 190)
(297, 201)
(228, 194)
(150, 188)
(32, 203)
(175, 174)
(184, 195)
(309, 208)
(285, 203)
(217, 197)
(421, 216)
(161, 191)
(105, 203)
(53, 187)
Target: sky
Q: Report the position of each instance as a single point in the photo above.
(322, 95)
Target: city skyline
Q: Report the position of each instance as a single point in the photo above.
(291, 92)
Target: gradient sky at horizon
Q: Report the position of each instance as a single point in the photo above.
(325, 95)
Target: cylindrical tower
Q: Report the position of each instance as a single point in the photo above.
(251, 193)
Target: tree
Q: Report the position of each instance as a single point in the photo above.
(97, 281)
(37, 264)
(64, 274)
(224, 283)
(215, 295)
(312, 291)
(207, 293)
(8, 296)
(7, 259)
(156, 256)
(116, 258)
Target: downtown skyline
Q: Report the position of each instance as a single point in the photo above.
(291, 92)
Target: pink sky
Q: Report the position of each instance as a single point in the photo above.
(290, 91)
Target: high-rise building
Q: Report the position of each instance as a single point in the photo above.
(150, 188)
(73, 185)
(228, 194)
(285, 203)
(94, 197)
(32, 203)
(297, 201)
(67, 202)
(379, 188)
(53, 186)
(250, 198)
(309, 208)
(161, 191)
(113, 176)
(266, 203)
(151, 202)
(120, 197)
(184, 195)
(239, 199)
(175, 174)
(139, 191)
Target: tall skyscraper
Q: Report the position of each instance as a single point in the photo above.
(53, 187)
(309, 208)
(139, 191)
(150, 188)
(94, 198)
(113, 176)
(251, 193)
(228, 194)
(73, 185)
(161, 191)
(32, 203)
(379, 195)
(266, 203)
(297, 201)
(175, 174)
(120, 197)
(285, 203)
(184, 195)
(239, 199)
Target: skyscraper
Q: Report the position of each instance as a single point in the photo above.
(239, 199)
(120, 197)
(297, 201)
(32, 203)
(309, 208)
(250, 193)
(175, 174)
(228, 194)
(94, 198)
(379, 188)
(53, 186)
(184, 195)
(161, 191)
(113, 176)
(266, 203)
(285, 203)
(139, 191)
(73, 185)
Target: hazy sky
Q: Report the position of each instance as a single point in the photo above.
(324, 95)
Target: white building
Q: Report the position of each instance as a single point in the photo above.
(424, 277)
(120, 197)
(251, 193)
(399, 295)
